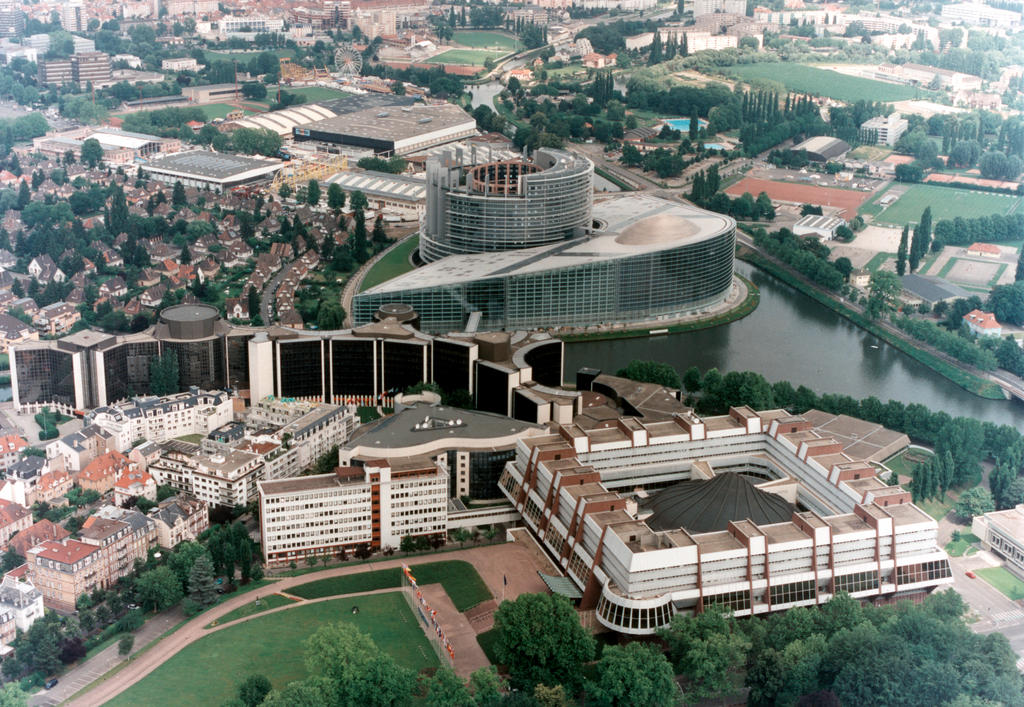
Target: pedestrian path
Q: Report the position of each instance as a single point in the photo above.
(1008, 617)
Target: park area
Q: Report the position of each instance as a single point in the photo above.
(846, 199)
(1003, 580)
(823, 82)
(946, 203)
(465, 57)
(392, 264)
(495, 41)
(219, 110)
(208, 671)
(314, 93)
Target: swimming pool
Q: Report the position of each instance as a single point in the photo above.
(715, 146)
(683, 124)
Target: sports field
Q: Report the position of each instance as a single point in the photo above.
(486, 40)
(946, 203)
(208, 671)
(218, 110)
(847, 199)
(823, 82)
(312, 93)
(466, 57)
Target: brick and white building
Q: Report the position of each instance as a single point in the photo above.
(983, 323)
(179, 518)
(157, 419)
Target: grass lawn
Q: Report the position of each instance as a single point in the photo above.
(267, 602)
(877, 261)
(1003, 580)
(469, 57)
(946, 203)
(459, 579)
(936, 509)
(219, 110)
(965, 545)
(313, 93)
(822, 82)
(394, 263)
(194, 439)
(999, 274)
(906, 461)
(486, 40)
(948, 266)
(870, 152)
(208, 671)
(487, 641)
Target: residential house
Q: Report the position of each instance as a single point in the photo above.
(114, 287)
(148, 278)
(26, 305)
(7, 259)
(14, 518)
(134, 483)
(599, 61)
(984, 250)
(57, 317)
(74, 451)
(43, 269)
(982, 323)
(36, 534)
(22, 478)
(237, 308)
(153, 297)
(10, 450)
(21, 598)
(14, 331)
(179, 518)
(52, 485)
(100, 474)
(144, 454)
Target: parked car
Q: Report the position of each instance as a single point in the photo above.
(52, 682)
(971, 574)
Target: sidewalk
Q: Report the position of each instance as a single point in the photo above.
(494, 563)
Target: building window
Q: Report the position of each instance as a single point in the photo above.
(857, 582)
(789, 593)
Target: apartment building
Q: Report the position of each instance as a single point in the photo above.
(10, 450)
(179, 518)
(223, 478)
(756, 511)
(74, 17)
(110, 543)
(157, 419)
(90, 67)
(377, 505)
(977, 14)
(180, 64)
(74, 451)
(100, 474)
(883, 129)
(14, 518)
(134, 484)
(22, 600)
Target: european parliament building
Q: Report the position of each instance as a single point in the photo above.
(363, 366)
(522, 245)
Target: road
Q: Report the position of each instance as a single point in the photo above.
(355, 282)
(267, 297)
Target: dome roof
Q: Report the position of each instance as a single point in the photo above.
(701, 506)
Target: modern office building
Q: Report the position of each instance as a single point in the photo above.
(507, 205)
(74, 17)
(644, 259)
(375, 505)
(474, 444)
(12, 19)
(1002, 532)
(753, 511)
(883, 129)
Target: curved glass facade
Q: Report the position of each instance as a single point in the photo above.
(655, 284)
(506, 205)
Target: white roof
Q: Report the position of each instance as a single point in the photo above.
(282, 121)
(406, 188)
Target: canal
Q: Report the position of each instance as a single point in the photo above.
(792, 337)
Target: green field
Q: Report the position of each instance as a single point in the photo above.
(208, 671)
(266, 603)
(459, 579)
(946, 203)
(1003, 580)
(870, 152)
(957, 548)
(936, 509)
(394, 263)
(905, 462)
(243, 56)
(468, 57)
(822, 82)
(218, 110)
(486, 40)
(313, 93)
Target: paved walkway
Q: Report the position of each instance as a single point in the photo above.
(495, 563)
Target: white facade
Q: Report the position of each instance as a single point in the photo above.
(886, 128)
(21, 598)
(1003, 533)
(159, 419)
(567, 488)
(976, 14)
(227, 479)
(180, 64)
(249, 23)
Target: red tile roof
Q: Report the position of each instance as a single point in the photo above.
(68, 552)
(982, 320)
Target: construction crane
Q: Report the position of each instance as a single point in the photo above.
(298, 172)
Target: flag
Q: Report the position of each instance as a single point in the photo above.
(504, 579)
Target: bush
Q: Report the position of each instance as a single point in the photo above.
(130, 622)
(190, 607)
(124, 646)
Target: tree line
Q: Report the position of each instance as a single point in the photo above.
(807, 256)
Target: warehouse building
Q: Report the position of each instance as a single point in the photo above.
(822, 148)
(217, 171)
(119, 146)
(398, 194)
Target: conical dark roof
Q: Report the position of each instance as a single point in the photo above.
(702, 506)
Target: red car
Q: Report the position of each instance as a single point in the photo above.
(971, 574)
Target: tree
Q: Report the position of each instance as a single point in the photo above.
(256, 141)
(178, 198)
(124, 646)
(379, 236)
(163, 374)
(92, 152)
(358, 243)
(335, 197)
(635, 675)
(358, 671)
(709, 649)
(358, 201)
(254, 90)
(186, 255)
(883, 290)
(202, 587)
(24, 197)
(284, 191)
(901, 252)
(541, 640)
(446, 689)
(313, 192)
(158, 589)
(1006, 302)
(691, 379)
(974, 502)
(253, 689)
(651, 372)
(1019, 273)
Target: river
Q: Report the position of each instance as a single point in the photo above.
(792, 337)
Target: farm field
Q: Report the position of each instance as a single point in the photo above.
(847, 199)
(823, 82)
(946, 203)
(466, 57)
(486, 40)
(272, 645)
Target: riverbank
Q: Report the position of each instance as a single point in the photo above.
(748, 305)
(963, 378)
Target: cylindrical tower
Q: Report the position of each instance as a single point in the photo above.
(506, 205)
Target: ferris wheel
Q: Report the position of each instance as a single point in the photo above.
(347, 61)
